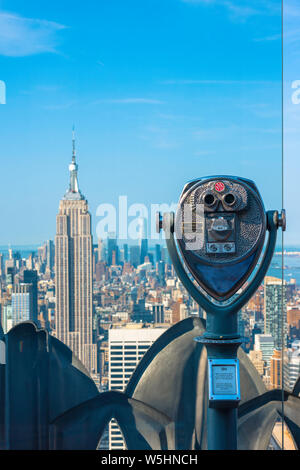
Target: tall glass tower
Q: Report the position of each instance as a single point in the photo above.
(143, 241)
(22, 303)
(274, 309)
(73, 272)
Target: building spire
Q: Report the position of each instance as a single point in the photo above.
(73, 192)
(73, 145)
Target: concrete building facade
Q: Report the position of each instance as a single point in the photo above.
(126, 348)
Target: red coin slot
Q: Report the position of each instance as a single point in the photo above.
(219, 186)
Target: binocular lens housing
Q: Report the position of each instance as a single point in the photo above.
(222, 241)
(229, 199)
(209, 199)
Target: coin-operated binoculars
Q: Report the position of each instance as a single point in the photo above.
(214, 241)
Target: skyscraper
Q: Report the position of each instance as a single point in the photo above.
(276, 370)
(30, 277)
(265, 344)
(100, 250)
(126, 256)
(112, 249)
(6, 316)
(274, 309)
(10, 263)
(1, 265)
(134, 255)
(160, 271)
(157, 253)
(50, 254)
(22, 303)
(291, 365)
(73, 271)
(143, 241)
(126, 348)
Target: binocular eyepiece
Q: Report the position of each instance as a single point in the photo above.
(229, 201)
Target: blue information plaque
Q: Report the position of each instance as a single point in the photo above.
(224, 383)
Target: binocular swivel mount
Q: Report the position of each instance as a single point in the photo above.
(215, 240)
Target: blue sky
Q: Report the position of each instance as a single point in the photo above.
(160, 92)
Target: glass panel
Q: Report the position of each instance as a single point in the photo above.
(290, 356)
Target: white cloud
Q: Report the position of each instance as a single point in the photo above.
(160, 137)
(233, 129)
(217, 82)
(289, 36)
(21, 36)
(240, 12)
(204, 153)
(203, 2)
(60, 106)
(130, 101)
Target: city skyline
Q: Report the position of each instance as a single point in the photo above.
(142, 108)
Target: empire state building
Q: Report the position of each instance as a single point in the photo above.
(73, 272)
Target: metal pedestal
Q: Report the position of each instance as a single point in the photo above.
(221, 338)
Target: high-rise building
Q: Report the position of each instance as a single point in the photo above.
(265, 344)
(10, 273)
(158, 312)
(165, 255)
(157, 253)
(21, 303)
(29, 262)
(134, 255)
(160, 271)
(50, 254)
(140, 313)
(293, 317)
(126, 348)
(256, 330)
(30, 277)
(112, 249)
(179, 311)
(42, 254)
(243, 320)
(100, 271)
(274, 309)
(143, 241)
(73, 272)
(291, 289)
(10, 263)
(257, 360)
(1, 265)
(6, 316)
(276, 370)
(100, 250)
(143, 250)
(126, 256)
(291, 367)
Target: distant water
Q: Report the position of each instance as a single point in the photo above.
(291, 267)
(24, 250)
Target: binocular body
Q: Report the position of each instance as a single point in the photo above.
(220, 227)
